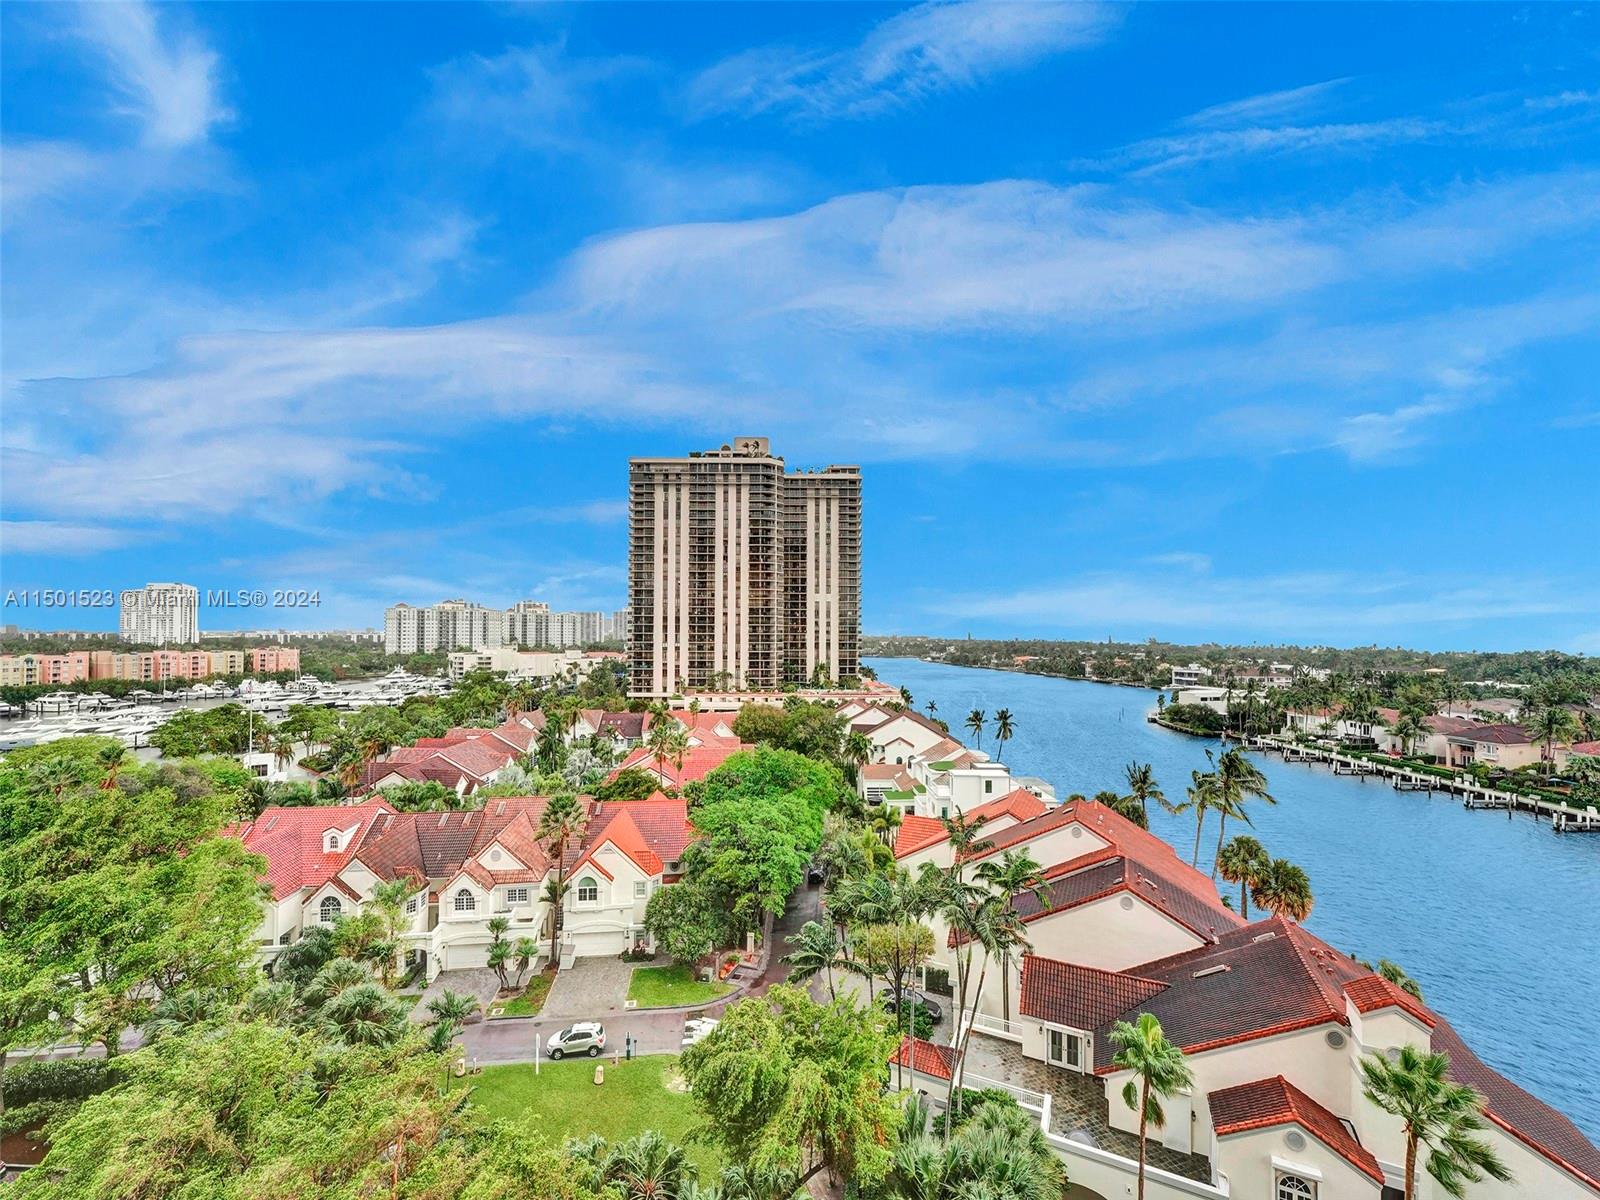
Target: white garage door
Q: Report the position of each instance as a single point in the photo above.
(600, 941)
(457, 958)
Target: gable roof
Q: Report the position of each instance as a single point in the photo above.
(925, 1058)
(1501, 735)
(1064, 993)
(917, 833)
(1264, 1103)
(291, 841)
(436, 845)
(1107, 871)
(1370, 993)
(652, 833)
(699, 762)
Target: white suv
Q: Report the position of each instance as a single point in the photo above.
(586, 1037)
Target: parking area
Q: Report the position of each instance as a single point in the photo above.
(590, 988)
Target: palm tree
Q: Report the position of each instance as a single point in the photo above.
(1009, 876)
(364, 1015)
(283, 746)
(1244, 861)
(857, 750)
(1435, 1112)
(667, 741)
(1410, 728)
(560, 824)
(647, 1167)
(452, 1008)
(885, 820)
(817, 950)
(1142, 788)
(1551, 724)
(1238, 780)
(998, 1153)
(932, 707)
(1003, 729)
(111, 759)
(499, 960)
(1159, 1071)
(524, 950)
(1124, 806)
(1284, 890)
(974, 724)
(1202, 799)
(1396, 974)
(179, 1012)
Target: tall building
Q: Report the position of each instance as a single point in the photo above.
(528, 624)
(740, 574)
(161, 614)
(568, 629)
(448, 625)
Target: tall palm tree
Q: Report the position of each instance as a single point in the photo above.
(932, 707)
(1142, 787)
(1009, 876)
(1238, 780)
(1435, 1113)
(523, 951)
(1159, 1071)
(884, 821)
(857, 751)
(1202, 793)
(905, 696)
(817, 950)
(1550, 724)
(1284, 890)
(974, 724)
(667, 741)
(1244, 861)
(1410, 728)
(1003, 729)
(111, 759)
(560, 825)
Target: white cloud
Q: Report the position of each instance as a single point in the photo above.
(1267, 106)
(1204, 146)
(168, 83)
(931, 48)
(60, 538)
(1333, 606)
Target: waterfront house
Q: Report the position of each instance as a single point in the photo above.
(1504, 746)
(923, 839)
(1274, 1022)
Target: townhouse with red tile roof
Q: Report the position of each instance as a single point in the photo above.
(466, 868)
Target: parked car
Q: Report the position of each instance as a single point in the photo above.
(912, 997)
(586, 1037)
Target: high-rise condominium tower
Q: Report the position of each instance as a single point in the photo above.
(741, 575)
(161, 614)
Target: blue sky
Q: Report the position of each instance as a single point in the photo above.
(1236, 322)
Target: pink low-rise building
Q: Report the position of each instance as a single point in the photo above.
(150, 666)
(267, 660)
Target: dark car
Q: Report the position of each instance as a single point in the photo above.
(912, 997)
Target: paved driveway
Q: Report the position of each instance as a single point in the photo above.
(478, 982)
(590, 988)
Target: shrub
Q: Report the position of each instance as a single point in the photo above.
(57, 1079)
(967, 1101)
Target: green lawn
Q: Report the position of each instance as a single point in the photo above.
(662, 987)
(532, 999)
(562, 1101)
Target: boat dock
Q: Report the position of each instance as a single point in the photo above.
(1563, 818)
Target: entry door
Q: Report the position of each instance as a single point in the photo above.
(1065, 1049)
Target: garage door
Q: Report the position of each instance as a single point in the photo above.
(458, 958)
(602, 941)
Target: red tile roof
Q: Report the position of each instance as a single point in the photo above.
(697, 763)
(917, 833)
(1265, 1103)
(435, 845)
(1079, 997)
(653, 833)
(291, 841)
(1108, 871)
(1019, 804)
(924, 1058)
(1373, 992)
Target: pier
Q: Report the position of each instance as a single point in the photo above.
(1563, 818)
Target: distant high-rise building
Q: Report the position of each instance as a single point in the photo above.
(569, 629)
(739, 574)
(448, 625)
(161, 614)
(528, 624)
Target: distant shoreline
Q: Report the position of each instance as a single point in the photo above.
(938, 662)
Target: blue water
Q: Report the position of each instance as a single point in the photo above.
(1494, 917)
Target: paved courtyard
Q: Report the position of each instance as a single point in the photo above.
(590, 988)
(1078, 1106)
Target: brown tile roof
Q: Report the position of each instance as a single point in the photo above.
(1521, 1114)
(1264, 1103)
(435, 845)
(1502, 735)
(1108, 871)
(1065, 993)
(1373, 992)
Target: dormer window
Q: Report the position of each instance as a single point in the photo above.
(588, 890)
(330, 910)
(466, 902)
(330, 842)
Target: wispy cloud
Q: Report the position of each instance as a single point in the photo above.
(166, 80)
(1187, 149)
(59, 538)
(1267, 106)
(922, 51)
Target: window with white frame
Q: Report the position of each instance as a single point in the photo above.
(465, 901)
(411, 906)
(641, 889)
(517, 895)
(1292, 1187)
(329, 910)
(588, 890)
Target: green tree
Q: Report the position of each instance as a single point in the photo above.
(1014, 874)
(817, 951)
(1238, 780)
(1142, 789)
(1244, 861)
(975, 723)
(787, 1084)
(1284, 890)
(1437, 1114)
(895, 951)
(1159, 1071)
(1004, 729)
(998, 1153)
(561, 823)
(1552, 724)
(684, 922)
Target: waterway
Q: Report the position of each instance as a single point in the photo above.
(1495, 917)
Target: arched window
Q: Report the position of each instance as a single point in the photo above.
(1292, 1187)
(466, 901)
(329, 910)
(588, 890)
